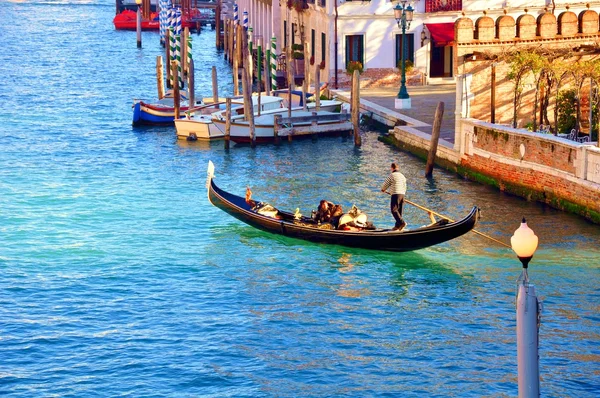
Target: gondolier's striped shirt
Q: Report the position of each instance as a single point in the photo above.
(396, 182)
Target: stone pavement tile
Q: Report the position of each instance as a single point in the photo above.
(424, 101)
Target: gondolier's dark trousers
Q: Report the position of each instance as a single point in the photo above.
(396, 204)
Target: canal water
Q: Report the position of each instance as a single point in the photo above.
(118, 278)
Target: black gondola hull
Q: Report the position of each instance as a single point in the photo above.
(386, 240)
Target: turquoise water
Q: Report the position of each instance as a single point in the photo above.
(118, 278)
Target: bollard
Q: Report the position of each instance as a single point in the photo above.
(138, 25)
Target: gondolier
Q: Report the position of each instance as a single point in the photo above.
(396, 184)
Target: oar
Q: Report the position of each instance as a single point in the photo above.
(451, 220)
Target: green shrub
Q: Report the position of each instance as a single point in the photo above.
(566, 103)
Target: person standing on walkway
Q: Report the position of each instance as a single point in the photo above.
(396, 184)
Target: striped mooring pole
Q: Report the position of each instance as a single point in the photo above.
(245, 20)
(172, 54)
(273, 63)
(236, 18)
(188, 42)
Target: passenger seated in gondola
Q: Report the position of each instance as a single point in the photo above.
(328, 213)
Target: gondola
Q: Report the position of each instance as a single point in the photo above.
(295, 226)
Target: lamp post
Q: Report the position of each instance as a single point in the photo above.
(404, 16)
(138, 25)
(524, 242)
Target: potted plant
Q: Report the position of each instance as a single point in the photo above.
(408, 65)
(354, 65)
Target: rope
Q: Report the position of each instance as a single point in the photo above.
(451, 220)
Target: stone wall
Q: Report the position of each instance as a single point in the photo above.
(481, 44)
(542, 167)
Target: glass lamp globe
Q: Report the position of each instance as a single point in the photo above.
(524, 242)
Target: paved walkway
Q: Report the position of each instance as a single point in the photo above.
(424, 103)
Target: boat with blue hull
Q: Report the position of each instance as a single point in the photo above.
(161, 112)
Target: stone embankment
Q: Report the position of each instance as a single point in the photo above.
(553, 170)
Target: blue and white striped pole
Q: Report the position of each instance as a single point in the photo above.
(245, 20)
(236, 17)
(178, 22)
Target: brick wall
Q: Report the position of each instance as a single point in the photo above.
(542, 167)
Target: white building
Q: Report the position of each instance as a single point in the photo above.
(339, 31)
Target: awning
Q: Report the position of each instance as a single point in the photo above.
(442, 34)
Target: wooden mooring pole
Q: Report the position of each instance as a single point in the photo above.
(247, 89)
(191, 84)
(227, 121)
(215, 86)
(355, 107)
(435, 137)
(168, 55)
(176, 96)
(160, 79)
(138, 27)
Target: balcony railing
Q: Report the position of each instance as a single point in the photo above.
(443, 5)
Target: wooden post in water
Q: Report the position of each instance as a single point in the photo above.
(184, 50)
(227, 121)
(191, 84)
(306, 76)
(435, 136)
(168, 55)
(215, 87)
(258, 72)
(176, 96)
(276, 127)
(160, 79)
(317, 87)
(218, 25)
(267, 64)
(356, 107)
(247, 89)
(138, 27)
(225, 40)
(290, 77)
(237, 59)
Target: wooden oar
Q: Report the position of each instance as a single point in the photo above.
(451, 220)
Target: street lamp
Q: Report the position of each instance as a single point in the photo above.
(524, 242)
(404, 16)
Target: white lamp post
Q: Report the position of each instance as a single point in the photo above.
(404, 16)
(524, 242)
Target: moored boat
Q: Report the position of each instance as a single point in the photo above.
(264, 125)
(196, 126)
(127, 20)
(296, 226)
(160, 112)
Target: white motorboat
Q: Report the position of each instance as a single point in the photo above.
(264, 125)
(198, 126)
